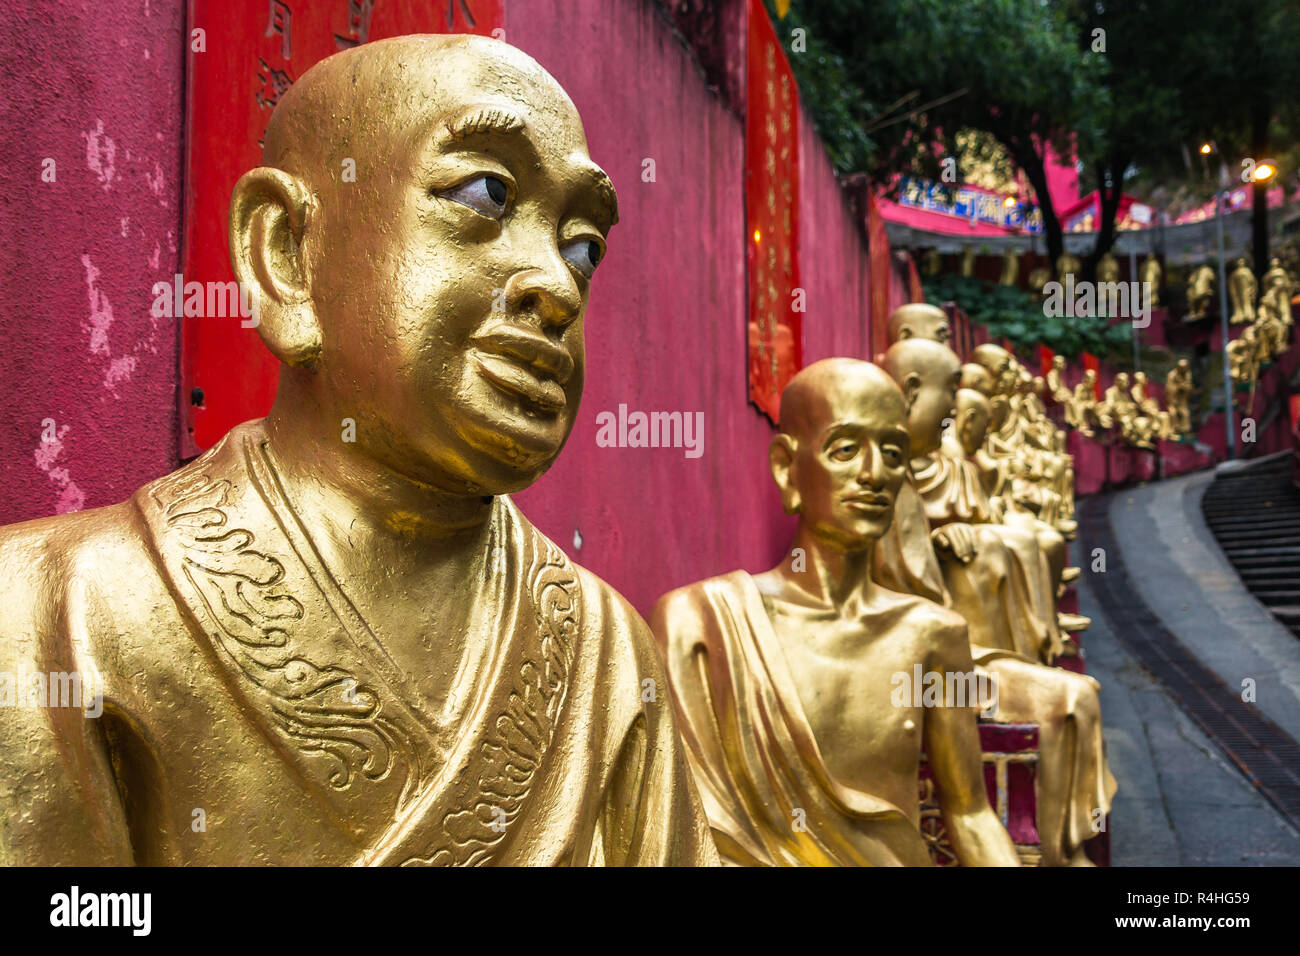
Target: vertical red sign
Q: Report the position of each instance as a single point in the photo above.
(1045, 356)
(243, 56)
(771, 215)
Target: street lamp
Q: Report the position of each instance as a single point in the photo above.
(1230, 446)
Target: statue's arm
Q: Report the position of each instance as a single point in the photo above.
(953, 748)
(59, 801)
(653, 815)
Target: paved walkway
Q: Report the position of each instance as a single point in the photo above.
(1180, 801)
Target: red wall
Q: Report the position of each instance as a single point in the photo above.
(97, 87)
(666, 327)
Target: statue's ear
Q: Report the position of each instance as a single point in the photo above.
(780, 457)
(270, 214)
(911, 388)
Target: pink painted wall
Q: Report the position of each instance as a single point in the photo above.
(97, 87)
(667, 322)
(666, 328)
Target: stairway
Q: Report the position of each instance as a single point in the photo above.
(1254, 513)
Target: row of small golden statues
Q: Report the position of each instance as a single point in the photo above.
(1126, 404)
(311, 650)
(1267, 318)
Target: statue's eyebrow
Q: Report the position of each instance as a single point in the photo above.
(485, 120)
(478, 120)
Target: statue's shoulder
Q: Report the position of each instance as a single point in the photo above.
(33, 549)
(700, 597)
(925, 618)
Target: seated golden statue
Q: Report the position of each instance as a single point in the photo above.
(1074, 784)
(1055, 382)
(1134, 427)
(1244, 358)
(333, 639)
(792, 685)
(1272, 334)
(1159, 424)
(1178, 392)
(1081, 411)
(984, 559)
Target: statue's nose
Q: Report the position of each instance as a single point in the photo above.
(546, 290)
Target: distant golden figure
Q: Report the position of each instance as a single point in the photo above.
(795, 686)
(1067, 263)
(333, 639)
(1038, 278)
(1178, 391)
(1200, 292)
(1151, 273)
(1055, 381)
(1241, 293)
(1108, 269)
(1010, 267)
(1277, 290)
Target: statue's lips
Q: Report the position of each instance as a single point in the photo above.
(511, 376)
(872, 505)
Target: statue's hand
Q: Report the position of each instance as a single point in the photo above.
(956, 540)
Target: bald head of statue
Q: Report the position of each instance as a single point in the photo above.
(916, 320)
(971, 421)
(929, 375)
(841, 454)
(420, 244)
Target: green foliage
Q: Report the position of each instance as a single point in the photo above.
(1008, 312)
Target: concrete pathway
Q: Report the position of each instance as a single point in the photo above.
(1180, 802)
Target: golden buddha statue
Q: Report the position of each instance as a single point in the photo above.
(1135, 427)
(1087, 410)
(1277, 290)
(1244, 359)
(1178, 392)
(1200, 292)
(787, 682)
(1241, 293)
(968, 261)
(946, 549)
(1108, 268)
(1067, 263)
(1150, 273)
(1010, 267)
(333, 639)
(1038, 278)
(1055, 381)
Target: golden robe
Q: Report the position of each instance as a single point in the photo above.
(749, 743)
(222, 644)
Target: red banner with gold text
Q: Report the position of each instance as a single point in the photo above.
(772, 216)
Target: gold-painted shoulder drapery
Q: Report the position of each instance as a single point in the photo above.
(754, 755)
(223, 643)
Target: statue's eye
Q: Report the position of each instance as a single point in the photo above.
(583, 254)
(844, 451)
(892, 454)
(486, 195)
